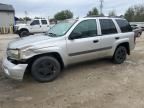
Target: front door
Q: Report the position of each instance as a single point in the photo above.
(35, 26)
(83, 43)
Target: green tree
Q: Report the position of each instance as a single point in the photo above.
(65, 14)
(135, 13)
(112, 13)
(27, 18)
(93, 12)
(130, 14)
(139, 13)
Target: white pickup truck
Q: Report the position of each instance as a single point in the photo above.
(35, 26)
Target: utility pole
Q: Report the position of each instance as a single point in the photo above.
(26, 16)
(101, 7)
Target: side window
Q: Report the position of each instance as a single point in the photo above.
(44, 22)
(35, 22)
(107, 26)
(87, 28)
(124, 25)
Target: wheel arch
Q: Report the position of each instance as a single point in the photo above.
(56, 55)
(126, 45)
(23, 29)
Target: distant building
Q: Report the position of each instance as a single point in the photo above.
(7, 14)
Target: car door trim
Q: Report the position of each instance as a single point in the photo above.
(89, 51)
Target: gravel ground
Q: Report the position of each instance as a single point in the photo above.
(95, 84)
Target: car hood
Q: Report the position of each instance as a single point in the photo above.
(21, 24)
(31, 41)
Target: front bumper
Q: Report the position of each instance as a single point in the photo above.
(12, 70)
(16, 31)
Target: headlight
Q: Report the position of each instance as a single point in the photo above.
(18, 54)
(13, 54)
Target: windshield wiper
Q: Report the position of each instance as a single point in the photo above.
(52, 34)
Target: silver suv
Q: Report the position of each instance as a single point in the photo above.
(66, 43)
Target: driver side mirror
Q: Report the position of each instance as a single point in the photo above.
(75, 35)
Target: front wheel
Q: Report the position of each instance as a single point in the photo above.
(45, 69)
(120, 55)
(23, 33)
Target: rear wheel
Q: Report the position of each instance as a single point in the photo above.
(45, 69)
(120, 55)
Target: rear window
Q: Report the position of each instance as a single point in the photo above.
(107, 26)
(44, 22)
(124, 25)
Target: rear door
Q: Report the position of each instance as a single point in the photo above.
(109, 34)
(44, 25)
(126, 32)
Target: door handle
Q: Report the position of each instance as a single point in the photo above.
(95, 41)
(117, 38)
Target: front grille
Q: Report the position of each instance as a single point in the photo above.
(17, 61)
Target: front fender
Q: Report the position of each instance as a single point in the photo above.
(46, 50)
(25, 27)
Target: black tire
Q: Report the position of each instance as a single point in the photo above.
(120, 55)
(139, 34)
(45, 69)
(23, 33)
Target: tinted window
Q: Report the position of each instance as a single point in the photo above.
(124, 25)
(35, 22)
(86, 28)
(107, 26)
(44, 22)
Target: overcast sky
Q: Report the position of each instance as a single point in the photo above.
(45, 8)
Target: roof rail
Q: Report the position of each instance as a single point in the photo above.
(39, 18)
(104, 16)
(94, 16)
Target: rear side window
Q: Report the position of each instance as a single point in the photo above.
(124, 25)
(107, 26)
(44, 22)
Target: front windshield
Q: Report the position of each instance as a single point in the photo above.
(60, 29)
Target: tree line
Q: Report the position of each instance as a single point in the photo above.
(135, 13)
(132, 14)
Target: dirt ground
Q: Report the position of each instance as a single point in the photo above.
(96, 84)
